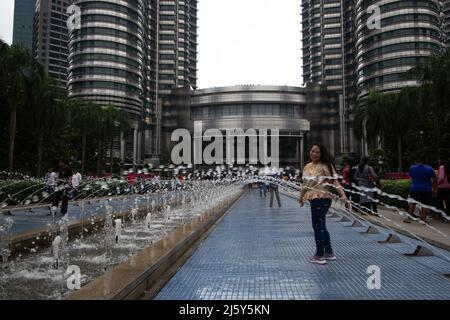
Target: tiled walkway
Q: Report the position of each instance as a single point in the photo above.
(257, 252)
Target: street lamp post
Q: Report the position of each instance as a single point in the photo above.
(421, 142)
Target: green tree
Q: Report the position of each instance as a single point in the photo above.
(385, 115)
(399, 109)
(111, 122)
(434, 77)
(85, 119)
(371, 117)
(116, 124)
(45, 101)
(15, 68)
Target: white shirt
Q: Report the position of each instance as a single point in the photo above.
(76, 179)
(51, 179)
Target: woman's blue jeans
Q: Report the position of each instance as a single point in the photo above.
(319, 209)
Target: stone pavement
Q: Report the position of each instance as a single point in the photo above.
(257, 252)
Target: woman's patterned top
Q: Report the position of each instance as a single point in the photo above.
(314, 181)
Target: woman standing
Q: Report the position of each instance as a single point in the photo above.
(444, 187)
(316, 177)
(365, 176)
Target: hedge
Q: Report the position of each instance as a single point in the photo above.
(401, 188)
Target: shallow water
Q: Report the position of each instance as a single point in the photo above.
(34, 276)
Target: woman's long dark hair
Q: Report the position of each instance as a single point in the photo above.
(325, 157)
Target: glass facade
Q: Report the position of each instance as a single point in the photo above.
(410, 32)
(107, 54)
(446, 22)
(130, 54)
(241, 110)
(177, 43)
(244, 110)
(344, 56)
(51, 38)
(322, 43)
(23, 23)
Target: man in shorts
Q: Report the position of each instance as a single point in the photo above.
(424, 185)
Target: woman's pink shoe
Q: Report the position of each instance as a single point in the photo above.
(329, 257)
(317, 260)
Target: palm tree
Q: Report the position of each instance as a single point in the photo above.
(47, 106)
(434, 77)
(85, 118)
(388, 115)
(113, 121)
(371, 117)
(15, 69)
(3, 81)
(118, 122)
(399, 108)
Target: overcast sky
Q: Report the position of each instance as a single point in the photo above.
(240, 41)
(6, 20)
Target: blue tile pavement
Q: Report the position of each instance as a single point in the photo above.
(257, 252)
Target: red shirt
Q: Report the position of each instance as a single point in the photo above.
(346, 174)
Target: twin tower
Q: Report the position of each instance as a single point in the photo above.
(133, 53)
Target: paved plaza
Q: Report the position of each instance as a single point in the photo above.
(257, 252)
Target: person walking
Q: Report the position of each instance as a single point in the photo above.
(424, 184)
(262, 188)
(273, 189)
(365, 176)
(444, 187)
(347, 179)
(346, 174)
(64, 179)
(353, 168)
(50, 184)
(76, 180)
(317, 190)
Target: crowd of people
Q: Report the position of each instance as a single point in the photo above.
(430, 187)
(361, 174)
(63, 185)
(320, 184)
(270, 184)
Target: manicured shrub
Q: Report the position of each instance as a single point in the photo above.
(401, 188)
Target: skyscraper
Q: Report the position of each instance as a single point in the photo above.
(446, 9)
(322, 43)
(343, 54)
(130, 54)
(106, 55)
(177, 54)
(23, 23)
(177, 44)
(324, 63)
(50, 38)
(410, 31)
